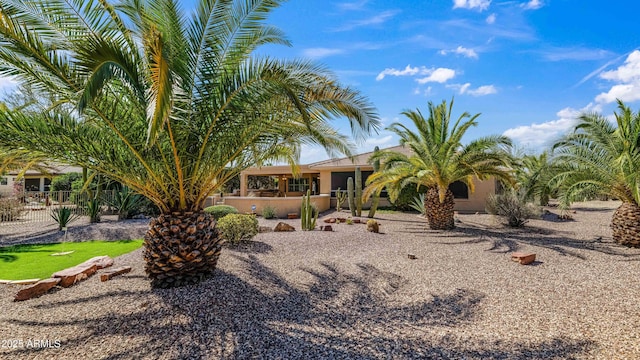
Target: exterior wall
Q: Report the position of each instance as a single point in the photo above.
(8, 189)
(283, 205)
(477, 200)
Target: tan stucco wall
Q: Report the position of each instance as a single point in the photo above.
(477, 199)
(283, 205)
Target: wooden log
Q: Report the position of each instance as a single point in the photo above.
(38, 289)
(115, 272)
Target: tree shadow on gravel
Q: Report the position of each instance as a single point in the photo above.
(339, 315)
(505, 240)
(249, 247)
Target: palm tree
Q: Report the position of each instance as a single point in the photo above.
(534, 175)
(170, 105)
(603, 158)
(439, 159)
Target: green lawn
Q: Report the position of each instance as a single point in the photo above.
(35, 261)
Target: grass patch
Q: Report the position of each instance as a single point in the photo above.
(35, 261)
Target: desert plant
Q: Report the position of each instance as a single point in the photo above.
(269, 212)
(308, 213)
(63, 216)
(10, 209)
(349, 221)
(512, 206)
(438, 159)
(351, 198)
(94, 208)
(358, 192)
(602, 157)
(341, 197)
(237, 227)
(170, 104)
(217, 212)
(126, 202)
(375, 198)
(418, 204)
(373, 226)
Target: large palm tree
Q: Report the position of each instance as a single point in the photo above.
(438, 159)
(169, 104)
(603, 158)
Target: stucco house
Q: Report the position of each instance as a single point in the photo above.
(35, 181)
(323, 178)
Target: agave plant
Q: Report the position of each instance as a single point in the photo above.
(603, 158)
(126, 201)
(170, 104)
(63, 216)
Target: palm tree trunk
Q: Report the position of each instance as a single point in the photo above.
(181, 248)
(625, 224)
(439, 214)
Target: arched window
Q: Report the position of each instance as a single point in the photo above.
(459, 190)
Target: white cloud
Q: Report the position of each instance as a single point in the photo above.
(480, 91)
(7, 83)
(460, 50)
(472, 4)
(374, 20)
(352, 6)
(407, 71)
(439, 75)
(532, 5)
(316, 53)
(538, 136)
(491, 18)
(379, 141)
(627, 79)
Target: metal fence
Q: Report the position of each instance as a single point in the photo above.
(37, 207)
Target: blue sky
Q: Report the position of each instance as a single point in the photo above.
(528, 66)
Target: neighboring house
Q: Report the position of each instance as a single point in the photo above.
(34, 180)
(323, 178)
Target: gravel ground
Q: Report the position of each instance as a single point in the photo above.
(351, 294)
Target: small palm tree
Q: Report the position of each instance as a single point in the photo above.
(171, 105)
(603, 158)
(533, 176)
(438, 159)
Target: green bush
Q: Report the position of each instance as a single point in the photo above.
(220, 211)
(64, 182)
(10, 209)
(512, 206)
(237, 227)
(407, 196)
(269, 212)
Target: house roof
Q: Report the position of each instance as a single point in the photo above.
(55, 169)
(357, 160)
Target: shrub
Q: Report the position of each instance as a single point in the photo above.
(64, 182)
(237, 227)
(63, 216)
(407, 196)
(126, 203)
(513, 207)
(10, 209)
(94, 208)
(269, 212)
(418, 204)
(220, 211)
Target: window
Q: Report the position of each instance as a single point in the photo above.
(4, 181)
(459, 190)
(298, 185)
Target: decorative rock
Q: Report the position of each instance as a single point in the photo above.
(292, 216)
(342, 220)
(327, 228)
(100, 261)
(36, 290)
(115, 272)
(357, 220)
(373, 226)
(411, 256)
(523, 258)
(281, 227)
(330, 220)
(75, 274)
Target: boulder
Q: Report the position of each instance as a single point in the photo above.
(36, 290)
(75, 274)
(114, 272)
(327, 228)
(100, 261)
(373, 226)
(330, 220)
(281, 227)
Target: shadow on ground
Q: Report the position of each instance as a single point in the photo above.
(339, 315)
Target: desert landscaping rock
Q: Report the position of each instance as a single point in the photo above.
(283, 227)
(38, 289)
(352, 294)
(106, 276)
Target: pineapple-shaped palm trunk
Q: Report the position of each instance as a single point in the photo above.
(439, 214)
(625, 224)
(181, 248)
